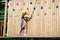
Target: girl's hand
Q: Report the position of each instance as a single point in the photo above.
(27, 16)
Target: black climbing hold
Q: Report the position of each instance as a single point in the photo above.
(57, 6)
(34, 8)
(13, 9)
(41, 7)
(30, 2)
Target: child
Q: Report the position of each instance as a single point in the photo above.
(23, 24)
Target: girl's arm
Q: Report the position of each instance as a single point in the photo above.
(28, 17)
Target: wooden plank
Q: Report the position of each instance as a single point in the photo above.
(4, 30)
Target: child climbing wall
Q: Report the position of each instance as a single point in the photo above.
(45, 19)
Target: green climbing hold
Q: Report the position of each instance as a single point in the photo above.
(30, 2)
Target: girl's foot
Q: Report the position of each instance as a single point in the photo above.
(18, 34)
(25, 34)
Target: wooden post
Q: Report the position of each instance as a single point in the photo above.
(5, 14)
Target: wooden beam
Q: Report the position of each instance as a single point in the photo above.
(5, 14)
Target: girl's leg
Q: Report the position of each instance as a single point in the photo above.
(25, 32)
(19, 32)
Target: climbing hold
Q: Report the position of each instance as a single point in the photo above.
(17, 15)
(53, 13)
(45, 13)
(49, 7)
(27, 8)
(30, 2)
(23, 3)
(37, 14)
(11, 3)
(45, 2)
(41, 7)
(17, 3)
(13, 9)
(34, 8)
(38, 2)
(53, 0)
(57, 6)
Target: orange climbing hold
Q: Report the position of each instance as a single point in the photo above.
(23, 3)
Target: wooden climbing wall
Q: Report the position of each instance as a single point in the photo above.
(45, 20)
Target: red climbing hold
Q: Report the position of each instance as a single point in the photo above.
(37, 14)
(45, 2)
(53, 13)
(17, 4)
(27, 8)
(45, 13)
(53, 0)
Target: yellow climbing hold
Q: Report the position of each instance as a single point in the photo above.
(49, 7)
(17, 15)
(11, 3)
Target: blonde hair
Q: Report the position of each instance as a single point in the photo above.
(24, 11)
